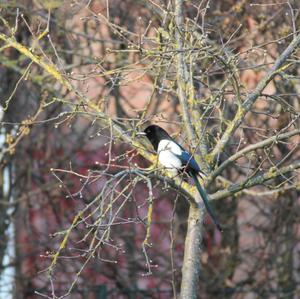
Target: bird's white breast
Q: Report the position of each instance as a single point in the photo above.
(167, 151)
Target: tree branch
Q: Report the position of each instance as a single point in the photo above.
(257, 180)
(183, 80)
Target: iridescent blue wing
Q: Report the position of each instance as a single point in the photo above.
(188, 160)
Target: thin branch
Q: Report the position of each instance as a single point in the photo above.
(50, 68)
(254, 181)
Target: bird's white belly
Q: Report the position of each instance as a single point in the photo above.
(167, 157)
(169, 160)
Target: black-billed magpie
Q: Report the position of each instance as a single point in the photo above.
(176, 159)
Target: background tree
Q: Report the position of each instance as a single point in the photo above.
(89, 203)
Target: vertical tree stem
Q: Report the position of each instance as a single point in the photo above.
(183, 78)
(191, 261)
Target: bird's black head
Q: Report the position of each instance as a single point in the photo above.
(155, 134)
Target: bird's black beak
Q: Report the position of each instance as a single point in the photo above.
(140, 134)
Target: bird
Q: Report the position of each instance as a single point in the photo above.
(177, 160)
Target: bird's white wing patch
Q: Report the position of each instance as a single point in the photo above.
(167, 151)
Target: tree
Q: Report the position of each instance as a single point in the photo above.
(220, 75)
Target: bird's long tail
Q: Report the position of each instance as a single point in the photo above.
(205, 200)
